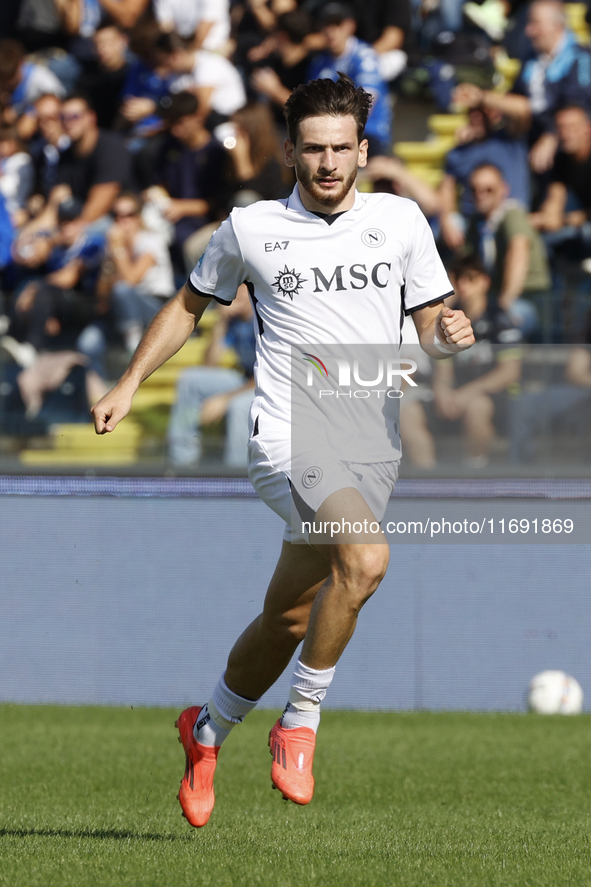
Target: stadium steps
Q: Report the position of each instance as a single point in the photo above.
(506, 72)
(426, 159)
(446, 124)
(159, 389)
(575, 19)
(430, 153)
(77, 444)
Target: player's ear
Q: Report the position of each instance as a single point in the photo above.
(362, 157)
(288, 151)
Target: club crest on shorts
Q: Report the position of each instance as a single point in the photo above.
(373, 237)
(311, 477)
(288, 282)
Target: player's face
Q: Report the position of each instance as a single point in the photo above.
(326, 157)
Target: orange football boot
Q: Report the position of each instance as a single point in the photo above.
(196, 793)
(293, 754)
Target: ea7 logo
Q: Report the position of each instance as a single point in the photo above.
(277, 244)
(356, 278)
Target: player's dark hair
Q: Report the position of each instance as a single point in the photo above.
(469, 264)
(321, 98)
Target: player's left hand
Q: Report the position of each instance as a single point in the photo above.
(454, 329)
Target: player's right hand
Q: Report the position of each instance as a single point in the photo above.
(111, 409)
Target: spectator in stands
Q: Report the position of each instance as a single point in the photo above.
(282, 63)
(472, 387)
(205, 22)
(146, 88)
(560, 74)
(192, 171)
(562, 404)
(212, 78)
(125, 13)
(416, 411)
(17, 175)
(511, 251)
(21, 84)
(38, 25)
(97, 164)
(486, 139)
(257, 156)
(206, 394)
(104, 77)
(266, 13)
(565, 214)
(49, 143)
(142, 277)
(384, 24)
(51, 312)
(6, 240)
(346, 53)
(79, 18)
(390, 174)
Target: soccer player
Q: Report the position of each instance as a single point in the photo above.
(327, 264)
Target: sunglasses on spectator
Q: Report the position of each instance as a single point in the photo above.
(73, 115)
(488, 190)
(125, 215)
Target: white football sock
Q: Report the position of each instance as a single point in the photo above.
(224, 710)
(308, 689)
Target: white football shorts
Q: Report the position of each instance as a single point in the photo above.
(279, 484)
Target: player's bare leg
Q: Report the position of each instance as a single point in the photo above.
(257, 659)
(263, 651)
(357, 568)
(316, 595)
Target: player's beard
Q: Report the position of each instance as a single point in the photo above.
(327, 198)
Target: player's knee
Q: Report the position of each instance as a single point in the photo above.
(361, 568)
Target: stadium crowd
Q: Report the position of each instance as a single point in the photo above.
(129, 129)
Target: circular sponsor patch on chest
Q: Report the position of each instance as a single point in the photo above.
(373, 237)
(311, 477)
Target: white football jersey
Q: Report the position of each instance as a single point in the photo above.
(350, 282)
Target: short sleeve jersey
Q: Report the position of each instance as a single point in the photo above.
(345, 283)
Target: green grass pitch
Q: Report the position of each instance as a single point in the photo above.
(88, 797)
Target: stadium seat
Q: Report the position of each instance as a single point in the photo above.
(76, 444)
(576, 21)
(507, 70)
(431, 154)
(446, 124)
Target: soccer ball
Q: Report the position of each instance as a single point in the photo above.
(555, 693)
